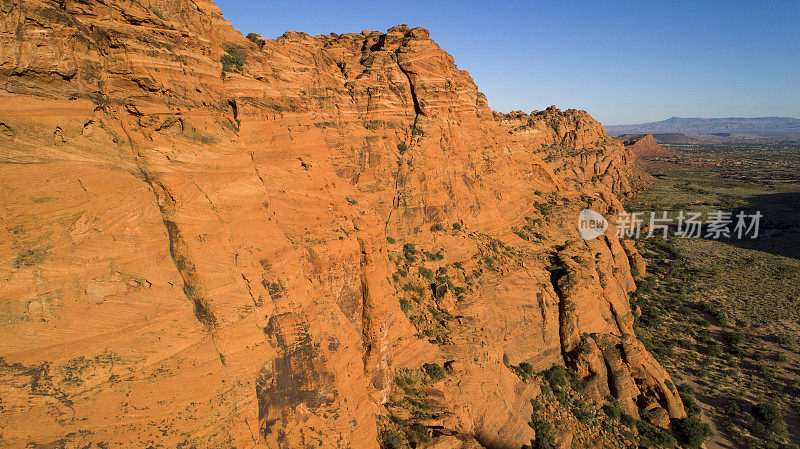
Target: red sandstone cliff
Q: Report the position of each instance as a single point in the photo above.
(192, 256)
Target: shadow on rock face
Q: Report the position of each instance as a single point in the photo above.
(290, 379)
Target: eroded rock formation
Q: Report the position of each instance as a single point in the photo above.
(214, 240)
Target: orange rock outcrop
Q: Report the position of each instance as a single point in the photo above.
(214, 240)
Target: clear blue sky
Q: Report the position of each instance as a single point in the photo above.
(624, 62)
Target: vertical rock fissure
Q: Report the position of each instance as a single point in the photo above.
(414, 99)
(366, 307)
(178, 249)
(557, 272)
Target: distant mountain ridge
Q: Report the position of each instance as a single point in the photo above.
(767, 125)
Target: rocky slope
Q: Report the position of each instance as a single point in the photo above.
(212, 240)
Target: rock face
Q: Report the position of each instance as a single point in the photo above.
(214, 240)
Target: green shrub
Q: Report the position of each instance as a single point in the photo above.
(556, 376)
(391, 440)
(582, 412)
(410, 252)
(544, 434)
(29, 258)
(612, 411)
(391, 240)
(412, 287)
(733, 340)
(232, 61)
(576, 382)
(402, 147)
(416, 434)
(654, 436)
(562, 397)
(433, 370)
(691, 432)
(731, 407)
(627, 420)
(437, 227)
(769, 415)
(686, 393)
(158, 14)
(427, 273)
(457, 226)
(544, 429)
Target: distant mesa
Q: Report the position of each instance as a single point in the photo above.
(721, 127)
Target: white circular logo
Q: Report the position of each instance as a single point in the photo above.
(591, 224)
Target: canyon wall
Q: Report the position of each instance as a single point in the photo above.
(210, 240)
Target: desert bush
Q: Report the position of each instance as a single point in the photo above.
(769, 416)
(437, 227)
(686, 393)
(733, 340)
(544, 429)
(412, 287)
(562, 397)
(556, 376)
(427, 273)
(582, 412)
(232, 61)
(433, 370)
(627, 420)
(391, 440)
(402, 147)
(714, 310)
(575, 381)
(654, 436)
(691, 432)
(410, 252)
(612, 411)
(731, 407)
(526, 368)
(417, 434)
(29, 257)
